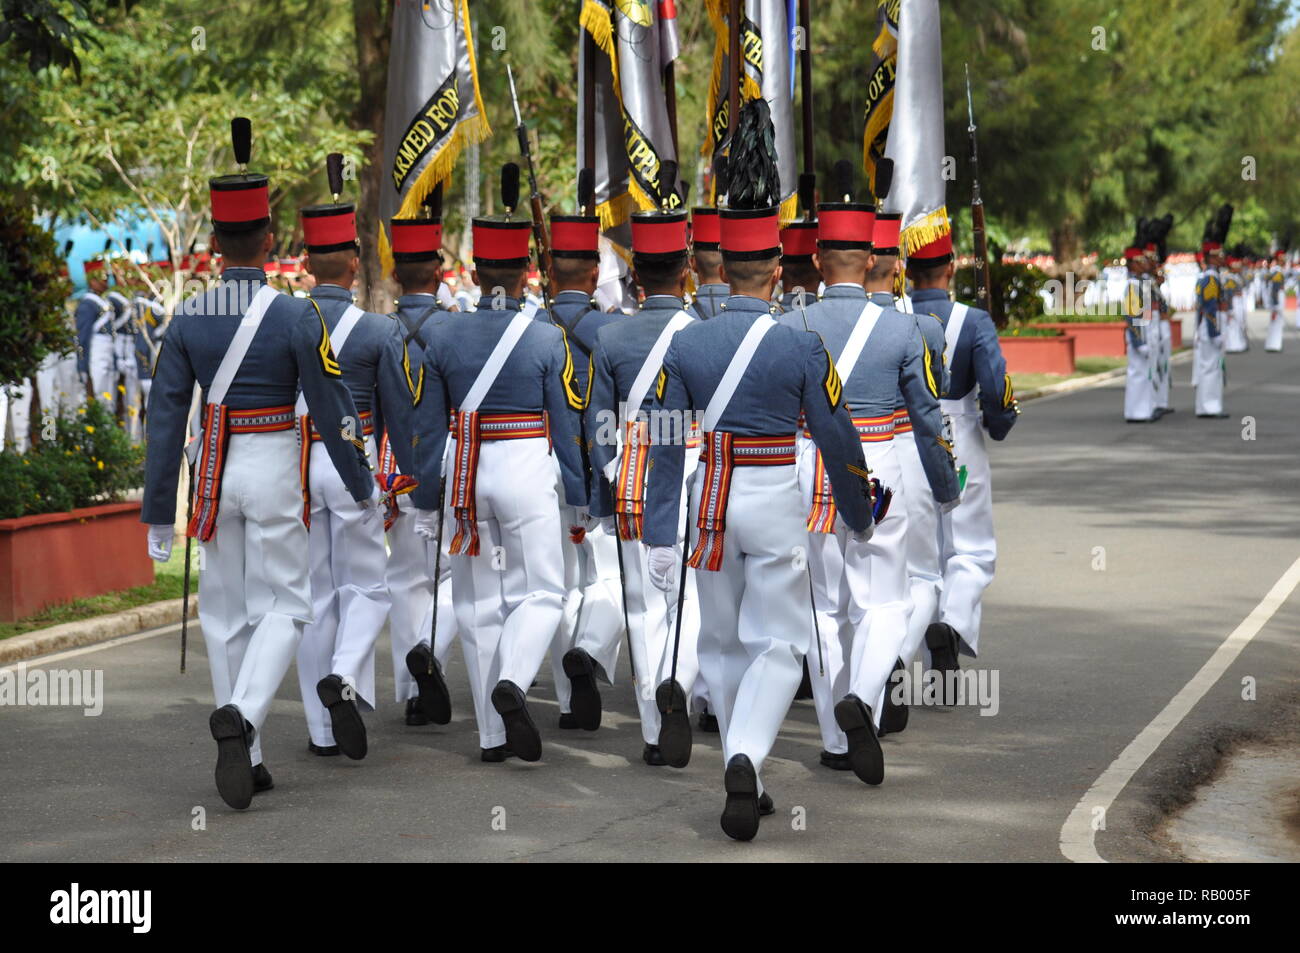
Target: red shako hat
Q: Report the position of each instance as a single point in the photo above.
(240, 202)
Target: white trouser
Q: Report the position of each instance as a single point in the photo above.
(59, 385)
(1139, 385)
(600, 628)
(755, 614)
(254, 592)
(509, 599)
(1164, 361)
(1273, 342)
(969, 549)
(924, 555)
(103, 368)
(1234, 332)
(1208, 372)
(409, 577)
(15, 419)
(124, 348)
(349, 598)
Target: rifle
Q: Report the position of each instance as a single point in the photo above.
(534, 198)
(978, 235)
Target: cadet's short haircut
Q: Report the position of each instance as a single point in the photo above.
(883, 268)
(573, 270)
(707, 263)
(331, 266)
(497, 277)
(927, 274)
(242, 247)
(800, 274)
(748, 276)
(418, 274)
(659, 276)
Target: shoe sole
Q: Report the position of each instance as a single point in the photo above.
(865, 756)
(434, 698)
(234, 772)
(521, 734)
(585, 697)
(345, 721)
(943, 657)
(894, 717)
(674, 724)
(740, 815)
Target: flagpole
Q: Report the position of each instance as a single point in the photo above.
(805, 86)
(588, 80)
(670, 100)
(734, 66)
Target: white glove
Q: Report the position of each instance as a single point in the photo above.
(160, 542)
(427, 523)
(1144, 350)
(950, 505)
(662, 563)
(370, 507)
(863, 535)
(609, 525)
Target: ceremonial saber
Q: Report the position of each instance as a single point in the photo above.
(437, 565)
(627, 628)
(185, 586)
(681, 600)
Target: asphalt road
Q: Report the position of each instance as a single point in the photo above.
(1194, 522)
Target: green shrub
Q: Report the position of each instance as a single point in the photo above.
(1013, 286)
(87, 461)
(33, 322)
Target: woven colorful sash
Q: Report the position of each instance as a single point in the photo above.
(392, 482)
(902, 421)
(629, 492)
(219, 422)
(469, 430)
(307, 435)
(821, 518)
(722, 452)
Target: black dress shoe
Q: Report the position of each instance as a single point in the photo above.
(708, 723)
(495, 755)
(804, 691)
(765, 806)
(674, 724)
(261, 779)
(415, 715)
(323, 751)
(585, 699)
(234, 772)
(652, 756)
(345, 718)
(521, 734)
(836, 761)
(865, 757)
(568, 721)
(740, 815)
(893, 717)
(942, 640)
(434, 697)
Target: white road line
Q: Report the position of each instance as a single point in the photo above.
(1078, 837)
(41, 661)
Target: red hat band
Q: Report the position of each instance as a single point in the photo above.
(705, 228)
(575, 236)
(884, 234)
(799, 240)
(416, 239)
(240, 202)
(750, 234)
(936, 251)
(659, 234)
(328, 228)
(501, 242)
(845, 224)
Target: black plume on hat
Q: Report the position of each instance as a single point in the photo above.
(241, 139)
(808, 194)
(334, 172)
(667, 181)
(721, 174)
(1222, 223)
(510, 186)
(842, 176)
(884, 178)
(1159, 234)
(754, 179)
(586, 189)
(434, 203)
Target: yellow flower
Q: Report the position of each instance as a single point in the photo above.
(89, 429)
(99, 464)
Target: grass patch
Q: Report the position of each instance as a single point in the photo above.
(1083, 367)
(169, 579)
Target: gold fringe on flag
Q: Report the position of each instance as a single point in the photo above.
(614, 211)
(928, 228)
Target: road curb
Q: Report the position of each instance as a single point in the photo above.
(1092, 380)
(71, 635)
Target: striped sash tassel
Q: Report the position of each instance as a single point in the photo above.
(207, 474)
(821, 519)
(629, 508)
(304, 466)
(465, 542)
(392, 483)
(713, 501)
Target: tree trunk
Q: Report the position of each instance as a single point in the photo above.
(373, 25)
(1065, 245)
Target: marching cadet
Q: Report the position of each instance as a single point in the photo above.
(626, 364)
(508, 384)
(1211, 312)
(1161, 314)
(336, 658)
(96, 359)
(751, 377)
(861, 588)
(412, 564)
(148, 320)
(1140, 336)
(1274, 295)
(1235, 337)
(799, 272)
(593, 605)
(979, 400)
(706, 262)
(255, 594)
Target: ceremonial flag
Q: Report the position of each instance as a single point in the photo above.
(433, 105)
(915, 140)
(635, 40)
(766, 42)
(880, 85)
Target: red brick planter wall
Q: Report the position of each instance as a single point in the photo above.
(58, 557)
(1092, 339)
(1038, 355)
